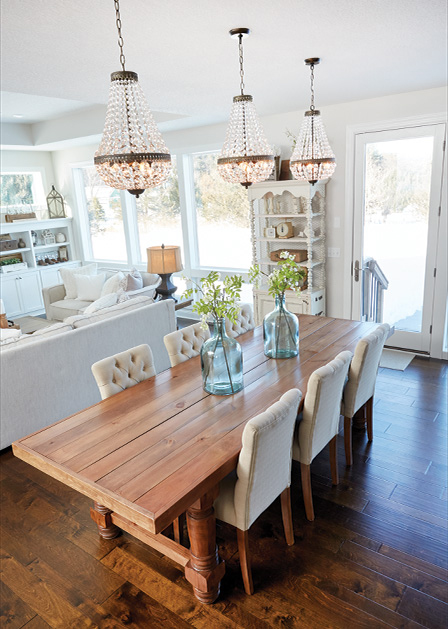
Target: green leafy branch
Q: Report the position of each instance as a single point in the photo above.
(216, 300)
(287, 276)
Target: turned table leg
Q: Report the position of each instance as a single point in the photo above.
(204, 570)
(101, 515)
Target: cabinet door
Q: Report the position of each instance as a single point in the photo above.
(10, 295)
(30, 291)
(50, 277)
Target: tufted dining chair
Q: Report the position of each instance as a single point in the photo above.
(360, 387)
(318, 424)
(244, 323)
(263, 473)
(122, 371)
(185, 343)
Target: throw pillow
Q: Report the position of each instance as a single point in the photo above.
(112, 284)
(135, 280)
(68, 278)
(89, 286)
(105, 301)
(122, 296)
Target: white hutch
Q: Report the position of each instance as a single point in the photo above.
(21, 290)
(296, 210)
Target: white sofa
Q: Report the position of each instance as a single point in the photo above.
(58, 308)
(46, 376)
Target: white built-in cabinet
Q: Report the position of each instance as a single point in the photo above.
(302, 207)
(21, 291)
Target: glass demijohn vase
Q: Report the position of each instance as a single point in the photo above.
(222, 362)
(281, 331)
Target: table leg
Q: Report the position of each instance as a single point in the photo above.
(204, 570)
(101, 515)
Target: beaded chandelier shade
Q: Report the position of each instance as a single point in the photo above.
(312, 158)
(246, 156)
(132, 154)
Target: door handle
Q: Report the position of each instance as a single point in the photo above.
(357, 269)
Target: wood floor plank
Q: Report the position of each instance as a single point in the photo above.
(429, 611)
(14, 613)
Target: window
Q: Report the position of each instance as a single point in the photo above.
(158, 215)
(22, 189)
(105, 217)
(222, 213)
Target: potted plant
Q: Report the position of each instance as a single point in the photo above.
(221, 356)
(281, 327)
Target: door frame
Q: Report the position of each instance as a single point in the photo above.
(440, 289)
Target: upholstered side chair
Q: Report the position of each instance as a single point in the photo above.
(318, 424)
(263, 473)
(360, 388)
(184, 344)
(244, 323)
(123, 371)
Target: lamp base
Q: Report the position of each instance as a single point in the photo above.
(166, 288)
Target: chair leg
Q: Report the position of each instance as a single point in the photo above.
(178, 528)
(307, 493)
(334, 460)
(287, 515)
(243, 549)
(348, 440)
(369, 415)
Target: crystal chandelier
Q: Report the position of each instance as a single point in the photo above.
(312, 158)
(132, 155)
(246, 156)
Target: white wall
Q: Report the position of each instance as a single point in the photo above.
(337, 119)
(30, 160)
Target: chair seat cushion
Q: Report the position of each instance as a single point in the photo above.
(64, 308)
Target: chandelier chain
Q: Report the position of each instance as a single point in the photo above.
(312, 87)
(120, 37)
(240, 50)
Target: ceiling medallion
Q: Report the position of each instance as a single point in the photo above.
(132, 154)
(246, 156)
(312, 158)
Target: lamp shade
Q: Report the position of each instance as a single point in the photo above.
(164, 259)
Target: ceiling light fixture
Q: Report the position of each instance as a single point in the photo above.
(312, 158)
(17, 115)
(132, 155)
(246, 156)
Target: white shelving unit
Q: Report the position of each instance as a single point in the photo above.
(303, 205)
(21, 291)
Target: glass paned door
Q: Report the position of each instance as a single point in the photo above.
(397, 194)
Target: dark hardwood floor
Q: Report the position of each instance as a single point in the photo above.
(375, 556)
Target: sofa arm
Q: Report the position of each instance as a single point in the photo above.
(52, 294)
(146, 291)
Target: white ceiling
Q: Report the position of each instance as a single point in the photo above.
(57, 54)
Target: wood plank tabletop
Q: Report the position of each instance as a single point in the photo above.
(149, 452)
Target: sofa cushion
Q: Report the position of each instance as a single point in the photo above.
(42, 334)
(64, 308)
(89, 287)
(134, 280)
(69, 281)
(112, 283)
(82, 320)
(106, 301)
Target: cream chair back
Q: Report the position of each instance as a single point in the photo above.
(122, 371)
(321, 409)
(363, 370)
(244, 323)
(186, 343)
(264, 465)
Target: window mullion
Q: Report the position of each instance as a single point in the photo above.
(129, 210)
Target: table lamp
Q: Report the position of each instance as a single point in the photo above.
(164, 261)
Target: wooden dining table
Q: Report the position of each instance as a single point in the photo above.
(159, 449)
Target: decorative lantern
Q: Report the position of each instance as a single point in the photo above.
(55, 204)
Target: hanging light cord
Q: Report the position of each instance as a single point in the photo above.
(312, 87)
(120, 37)
(240, 50)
